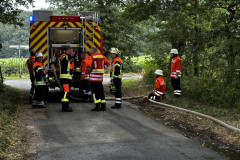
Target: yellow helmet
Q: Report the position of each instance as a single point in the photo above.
(114, 50)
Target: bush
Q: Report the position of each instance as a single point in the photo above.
(211, 91)
(130, 67)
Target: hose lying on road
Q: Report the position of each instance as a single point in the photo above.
(162, 104)
(124, 98)
(199, 114)
(76, 98)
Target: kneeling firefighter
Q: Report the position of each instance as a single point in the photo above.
(160, 87)
(39, 76)
(65, 76)
(116, 77)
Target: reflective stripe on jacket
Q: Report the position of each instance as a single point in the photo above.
(97, 62)
(39, 74)
(116, 68)
(64, 67)
(160, 86)
(176, 64)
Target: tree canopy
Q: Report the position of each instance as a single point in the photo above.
(10, 13)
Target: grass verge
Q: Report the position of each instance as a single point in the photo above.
(138, 87)
(204, 131)
(9, 99)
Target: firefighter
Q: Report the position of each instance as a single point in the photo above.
(30, 63)
(85, 87)
(116, 76)
(39, 82)
(176, 71)
(65, 76)
(97, 62)
(160, 87)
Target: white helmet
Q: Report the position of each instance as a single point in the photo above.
(174, 51)
(39, 55)
(114, 50)
(159, 72)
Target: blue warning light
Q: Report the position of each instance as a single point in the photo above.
(31, 18)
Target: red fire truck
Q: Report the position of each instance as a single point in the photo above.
(50, 33)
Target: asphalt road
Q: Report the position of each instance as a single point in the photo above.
(115, 134)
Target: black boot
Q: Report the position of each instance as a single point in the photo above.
(116, 106)
(103, 107)
(65, 107)
(97, 108)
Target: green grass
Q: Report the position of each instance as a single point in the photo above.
(9, 98)
(135, 87)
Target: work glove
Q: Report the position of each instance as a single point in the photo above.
(112, 89)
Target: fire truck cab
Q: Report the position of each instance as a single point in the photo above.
(50, 34)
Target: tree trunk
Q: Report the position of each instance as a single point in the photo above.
(231, 58)
(196, 41)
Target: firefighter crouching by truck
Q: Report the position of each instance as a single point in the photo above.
(176, 70)
(97, 62)
(30, 63)
(160, 87)
(116, 77)
(65, 76)
(85, 91)
(39, 82)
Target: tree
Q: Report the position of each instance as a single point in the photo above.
(9, 12)
(14, 35)
(227, 33)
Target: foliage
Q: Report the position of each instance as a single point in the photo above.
(9, 100)
(10, 67)
(15, 35)
(130, 67)
(9, 12)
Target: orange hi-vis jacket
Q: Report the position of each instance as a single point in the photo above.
(176, 66)
(160, 86)
(39, 74)
(30, 63)
(97, 62)
(84, 69)
(116, 68)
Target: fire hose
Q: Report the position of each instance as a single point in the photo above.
(199, 114)
(159, 103)
(76, 98)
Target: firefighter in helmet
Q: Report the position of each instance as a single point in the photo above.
(160, 87)
(176, 70)
(30, 63)
(116, 77)
(65, 76)
(97, 62)
(39, 76)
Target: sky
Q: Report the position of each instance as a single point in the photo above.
(38, 5)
